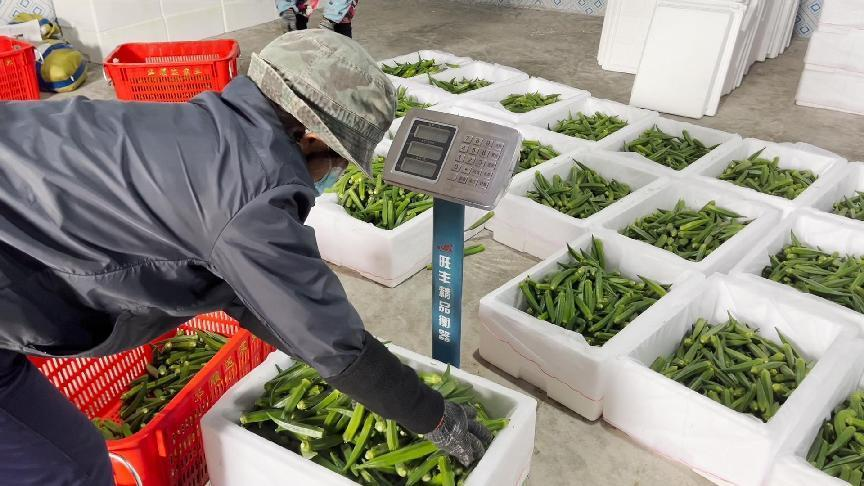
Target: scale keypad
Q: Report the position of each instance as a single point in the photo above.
(476, 162)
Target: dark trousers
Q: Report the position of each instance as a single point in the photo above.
(44, 439)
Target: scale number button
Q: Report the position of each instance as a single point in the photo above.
(462, 179)
(491, 164)
(495, 155)
(487, 143)
(483, 185)
(456, 167)
(460, 158)
(484, 153)
(499, 146)
(478, 140)
(475, 172)
(466, 169)
(475, 150)
(463, 148)
(467, 139)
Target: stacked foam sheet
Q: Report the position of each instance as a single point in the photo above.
(833, 76)
(686, 54)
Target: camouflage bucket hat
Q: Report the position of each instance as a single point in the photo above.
(332, 86)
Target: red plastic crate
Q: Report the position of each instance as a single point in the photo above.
(168, 451)
(17, 70)
(171, 71)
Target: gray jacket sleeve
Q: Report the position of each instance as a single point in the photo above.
(296, 303)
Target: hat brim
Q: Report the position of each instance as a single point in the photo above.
(277, 89)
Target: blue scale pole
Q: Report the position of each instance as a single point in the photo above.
(448, 242)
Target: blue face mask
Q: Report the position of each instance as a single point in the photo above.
(329, 180)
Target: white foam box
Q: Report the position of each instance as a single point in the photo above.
(562, 145)
(496, 74)
(439, 99)
(813, 229)
(678, 423)
(638, 120)
(240, 14)
(849, 13)
(695, 194)
(687, 55)
(193, 19)
(557, 360)
(625, 27)
(828, 168)
(489, 101)
(440, 57)
(725, 144)
(102, 15)
(838, 48)
(236, 456)
(448, 107)
(791, 467)
(388, 257)
(528, 226)
(848, 185)
(831, 89)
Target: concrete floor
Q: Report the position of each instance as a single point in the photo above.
(560, 47)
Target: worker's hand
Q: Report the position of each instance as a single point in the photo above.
(289, 20)
(460, 434)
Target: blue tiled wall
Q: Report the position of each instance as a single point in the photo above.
(808, 17)
(11, 8)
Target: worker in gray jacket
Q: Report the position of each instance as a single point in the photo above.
(120, 221)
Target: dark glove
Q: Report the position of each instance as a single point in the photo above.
(460, 435)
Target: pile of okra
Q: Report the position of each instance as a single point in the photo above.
(690, 234)
(411, 69)
(405, 102)
(832, 276)
(582, 295)
(523, 103)
(589, 127)
(460, 86)
(374, 201)
(766, 176)
(175, 361)
(838, 449)
(733, 365)
(583, 193)
(301, 412)
(851, 207)
(534, 153)
(674, 152)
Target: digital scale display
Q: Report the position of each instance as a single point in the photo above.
(460, 159)
(426, 149)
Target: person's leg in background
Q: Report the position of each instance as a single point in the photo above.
(295, 13)
(44, 439)
(338, 16)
